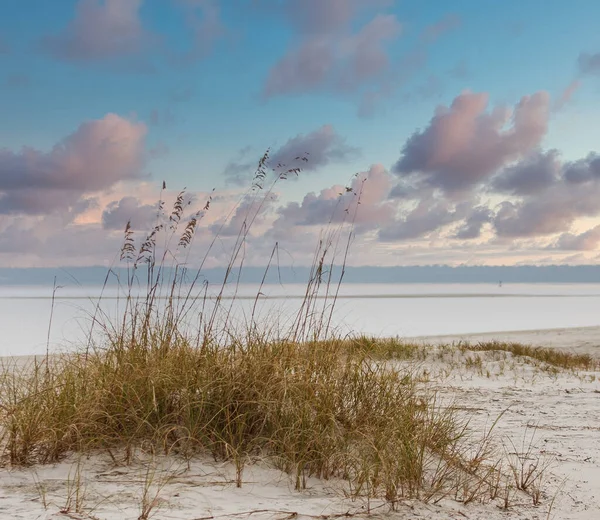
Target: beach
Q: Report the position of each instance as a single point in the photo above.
(301, 259)
(548, 420)
(580, 340)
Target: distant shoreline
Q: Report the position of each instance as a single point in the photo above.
(320, 297)
(440, 274)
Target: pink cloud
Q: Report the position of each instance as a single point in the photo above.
(247, 217)
(553, 211)
(464, 144)
(474, 223)
(320, 147)
(567, 94)
(319, 17)
(129, 209)
(432, 32)
(301, 69)
(53, 242)
(203, 18)
(310, 151)
(100, 29)
(398, 76)
(339, 203)
(96, 156)
(589, 63)
(328, 53)
(367, 54)
(587, 241)
(529, 176)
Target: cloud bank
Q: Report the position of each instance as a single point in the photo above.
(473, 182)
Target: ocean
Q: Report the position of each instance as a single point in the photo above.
(405, 310)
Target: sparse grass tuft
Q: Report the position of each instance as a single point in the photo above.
(554, 357)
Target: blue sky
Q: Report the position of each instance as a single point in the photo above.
(203, 80)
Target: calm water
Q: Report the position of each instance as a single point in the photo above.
(378, 309)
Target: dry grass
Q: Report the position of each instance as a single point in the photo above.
(313, 408)
(398, 349)
(554, 357)
(387, 348)
(310, 403)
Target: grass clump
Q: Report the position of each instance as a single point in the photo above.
(312, 404)
(554, 357)
(312, 408)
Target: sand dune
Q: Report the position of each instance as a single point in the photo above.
(581, 340)
(548, 417)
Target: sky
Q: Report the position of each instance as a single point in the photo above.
(459, 133)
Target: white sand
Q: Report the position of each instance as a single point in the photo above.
(561, 411)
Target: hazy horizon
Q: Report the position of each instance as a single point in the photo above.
(435, 274)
